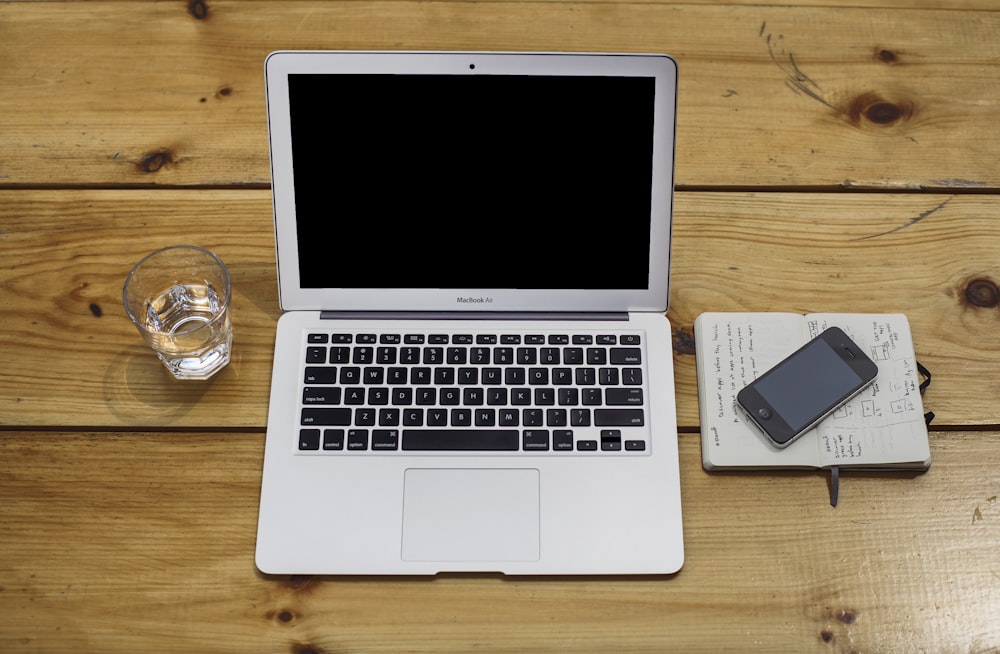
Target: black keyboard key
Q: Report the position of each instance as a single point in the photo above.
(597, 356)
(325, 375)
(357, 439)
(532, 417)
(461, 440)
(630, 339)
(619, 417)
(315, 355)
(363, 354)
(586, 446)
(444, 376)
(318, 338)
(611, 440)
(608, 376)
(632, 376)
(562, 440)
(635, 446)
(626, 356)
(623, 396)
(308, 439)
(333, 439)
(536, 440)
(320, 395)
(461, 417)
(555, 417)
(509, 417)
(326, 417)
(385, 439)
(486, 417)
(374, 375)
(413, 417)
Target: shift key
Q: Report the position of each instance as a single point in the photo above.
(618, 418)
(326, 417)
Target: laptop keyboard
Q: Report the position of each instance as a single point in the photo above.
(395, 392)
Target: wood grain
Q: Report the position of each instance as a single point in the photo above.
(73, 358)
(159, 549)
(155, 94)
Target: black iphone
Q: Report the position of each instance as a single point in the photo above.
(810, 384)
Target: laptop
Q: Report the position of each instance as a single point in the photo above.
(473, 368)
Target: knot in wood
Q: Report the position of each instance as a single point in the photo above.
(873, 109)
(982, 293)
(154, 161)
(886, 56)
(883, 113)
(683, 341)
(198, 9)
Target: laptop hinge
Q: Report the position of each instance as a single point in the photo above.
(473, 315)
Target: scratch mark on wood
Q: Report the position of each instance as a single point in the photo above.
(795, 79)
(913, 221)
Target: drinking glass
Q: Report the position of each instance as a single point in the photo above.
(178, 299)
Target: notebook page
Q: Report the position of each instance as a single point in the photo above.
(885, 423)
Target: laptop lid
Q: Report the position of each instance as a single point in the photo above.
(498, 182)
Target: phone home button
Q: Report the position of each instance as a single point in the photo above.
(764, 413)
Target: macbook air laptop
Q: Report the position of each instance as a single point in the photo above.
(473, 370)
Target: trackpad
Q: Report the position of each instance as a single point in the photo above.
(471, 515)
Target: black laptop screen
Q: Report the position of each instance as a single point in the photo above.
(472, 181)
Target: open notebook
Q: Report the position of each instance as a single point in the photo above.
(473, 369)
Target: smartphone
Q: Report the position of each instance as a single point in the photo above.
(810, 384)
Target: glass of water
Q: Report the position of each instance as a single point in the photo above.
(178, 298)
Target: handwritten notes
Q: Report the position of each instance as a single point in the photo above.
(883, 426)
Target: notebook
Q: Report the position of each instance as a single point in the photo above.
(473, 368)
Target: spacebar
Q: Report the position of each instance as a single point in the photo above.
(461, 439)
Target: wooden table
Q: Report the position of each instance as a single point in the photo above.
(835, 159)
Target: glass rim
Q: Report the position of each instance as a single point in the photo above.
(225, 303)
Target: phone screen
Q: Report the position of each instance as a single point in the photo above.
(808, 384)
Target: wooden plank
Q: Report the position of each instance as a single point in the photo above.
(124, 542)
(71, 358)
(151, 93)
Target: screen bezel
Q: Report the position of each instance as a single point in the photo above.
(293, 296)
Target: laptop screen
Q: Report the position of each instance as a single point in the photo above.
(463, 181)
(472, 181)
